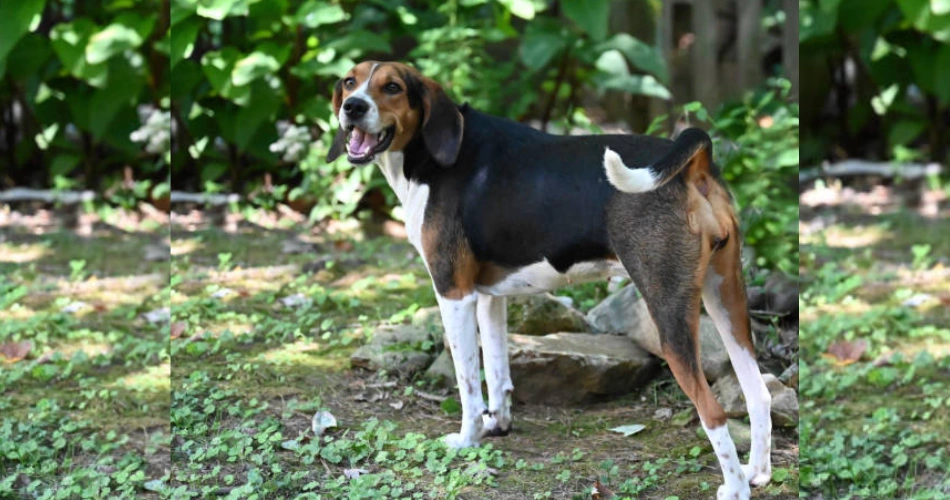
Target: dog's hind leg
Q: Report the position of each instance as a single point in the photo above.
(458, 317)
(678, 324)
(493, 325)
(725, 299)
(669, 272)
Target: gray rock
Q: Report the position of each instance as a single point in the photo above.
(575, 368)
(543, 314)
(784, 402)
(442, 372)
(399, 349)
(624, 312)
(429, 319)
(729, 394)
(784, 399)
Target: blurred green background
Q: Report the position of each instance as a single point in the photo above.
(878, 82)
(135, 99)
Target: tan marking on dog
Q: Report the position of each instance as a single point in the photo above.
(727, 263)
(694, 384)
(465, 268)
(712, 215)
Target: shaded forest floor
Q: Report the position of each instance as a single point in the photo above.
(262, 323)
(84, 366)
(875, 350)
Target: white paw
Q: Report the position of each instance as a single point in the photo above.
(456, 441)
(495, 425)
(757, 478)
(727, 493)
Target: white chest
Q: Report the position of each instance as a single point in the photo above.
(412, 196)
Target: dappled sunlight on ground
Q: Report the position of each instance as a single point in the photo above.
(20, 254)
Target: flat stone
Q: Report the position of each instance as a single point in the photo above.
(399, 349)
(624, 312)
(784, 399)
(784, 402)
(543, 314)
(442, 372)
(575, 368)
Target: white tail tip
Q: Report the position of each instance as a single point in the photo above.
(638, 180)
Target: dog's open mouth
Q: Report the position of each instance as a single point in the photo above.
(362, 146)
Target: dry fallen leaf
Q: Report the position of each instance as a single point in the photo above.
(177, 329)
(600, 492)
(846, 352)
(15, 351)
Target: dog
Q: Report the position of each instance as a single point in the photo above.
(496, 208)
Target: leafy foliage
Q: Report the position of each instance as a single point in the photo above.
(239, 68)
(890, 77)
(75, 78)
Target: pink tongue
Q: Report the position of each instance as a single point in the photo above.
(361, 143)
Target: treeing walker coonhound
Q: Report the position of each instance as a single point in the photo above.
(496, 208)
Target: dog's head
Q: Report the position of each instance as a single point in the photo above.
(382, 106)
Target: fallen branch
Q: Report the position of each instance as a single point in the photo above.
(429, 397)
(851, 168)
(204, 198)
(46, 196)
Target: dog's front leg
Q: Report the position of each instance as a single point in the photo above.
(493, 327)
(458, 316)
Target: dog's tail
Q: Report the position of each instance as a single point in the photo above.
(691, 145)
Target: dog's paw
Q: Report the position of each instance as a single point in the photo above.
(758, 477)
(742, 492)
(456, 441)
(494, 426)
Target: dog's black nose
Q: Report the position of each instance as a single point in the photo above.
(355, 107)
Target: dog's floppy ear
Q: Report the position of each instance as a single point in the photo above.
(339, 140)
(442, 124)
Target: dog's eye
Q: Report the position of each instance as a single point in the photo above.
(392, 88)
(349, 82)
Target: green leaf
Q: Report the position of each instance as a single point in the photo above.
(645, 85)
(122, 89)
(313, 14)
(220, 9)
(451, 406)
(28, 56)
(69, 41)
(252, 67)
(359, 42)
(942, 75)
(905, 131)
(64, 164)
(183, 37)
(940, 7)
(218, 68)
(521, 8)
(614, 75)
(114, 39)
(16, 19)
(818, 19)
(263, 103)
(639, 54)
(541, 43)
(590, 15)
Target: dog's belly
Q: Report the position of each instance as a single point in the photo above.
(542, 277)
